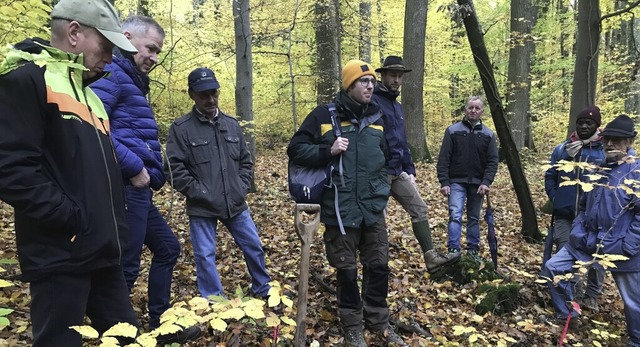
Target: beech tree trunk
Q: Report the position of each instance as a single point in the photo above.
(364, 44)
(327, 49)
(244, 75)
(485, 70)
(519, 84)
(585, 72)
(415, 31)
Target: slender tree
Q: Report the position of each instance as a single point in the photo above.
(485, 69)
(415, 31)
(519, 84)
(244, 74)
(364, 44)
(585, 73)
(327, 50)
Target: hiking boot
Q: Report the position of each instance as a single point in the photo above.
(354, 338)
(180, 337)
(435, 260)
(393, 339)
(590, 304)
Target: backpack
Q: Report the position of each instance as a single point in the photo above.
(306, 184)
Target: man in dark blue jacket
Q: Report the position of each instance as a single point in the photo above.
(608, 223)
(135, 138)
(584, 146)
(400, 168)
(467, 165)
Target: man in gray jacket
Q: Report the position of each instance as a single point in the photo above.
(211, 166)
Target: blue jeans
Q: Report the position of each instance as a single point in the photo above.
(147, 226)
(245, 234)
(627, 283)
(461, 192)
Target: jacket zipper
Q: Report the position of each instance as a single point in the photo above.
(104, 159)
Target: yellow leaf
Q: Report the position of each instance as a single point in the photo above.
(597, 344)
(234, 313)
(86, 331)
(567, 183)
(218, 324)
(254, 312)
(4, 283)
(600, 323)
(109, 341)
(315, 343)
(615, 257)
(273, 320)
(167, 328)
(288, 302)
(288, 321)
(273, 300)
(587, 187)
(122, 329)
(147, 340)
(510, 339)
(502, 343)
(473, 338)
(199, 303)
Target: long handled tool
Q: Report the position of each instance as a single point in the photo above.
(306, 232)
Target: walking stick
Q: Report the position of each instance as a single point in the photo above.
(306, 232)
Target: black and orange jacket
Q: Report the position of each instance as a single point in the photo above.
(57, 165)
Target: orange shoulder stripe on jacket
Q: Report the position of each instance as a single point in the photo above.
(70, 106)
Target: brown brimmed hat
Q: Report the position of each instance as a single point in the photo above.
(393, 62)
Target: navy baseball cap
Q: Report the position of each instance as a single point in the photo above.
(202, 79)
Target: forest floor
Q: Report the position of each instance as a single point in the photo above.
(445, 309)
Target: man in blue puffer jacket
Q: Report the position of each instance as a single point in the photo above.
(608, 223)
(584, 145)
(135, 138)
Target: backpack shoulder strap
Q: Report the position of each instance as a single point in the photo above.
(337, 131)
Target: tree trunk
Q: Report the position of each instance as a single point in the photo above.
(485, 69)
(244, 75)
(364, 44)
(327, 48)
(143, 8)
(382, 33)
(585, 73)
(519, 85)
(415, 31)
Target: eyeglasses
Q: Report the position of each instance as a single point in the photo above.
(364, 82)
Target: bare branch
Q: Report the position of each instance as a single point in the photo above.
(619, 12)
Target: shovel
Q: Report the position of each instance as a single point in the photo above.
(306, 232)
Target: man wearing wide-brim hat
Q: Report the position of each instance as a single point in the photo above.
(400, 168)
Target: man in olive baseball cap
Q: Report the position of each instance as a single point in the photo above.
(98, 14)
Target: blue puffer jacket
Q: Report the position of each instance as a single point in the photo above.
(133, 127)
(399, 156)
(610, 215)
(565, 198)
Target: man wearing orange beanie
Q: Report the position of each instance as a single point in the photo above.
(353, 209)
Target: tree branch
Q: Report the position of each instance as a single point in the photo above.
(619, 12)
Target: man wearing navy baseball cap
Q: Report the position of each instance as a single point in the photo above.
(211, 165)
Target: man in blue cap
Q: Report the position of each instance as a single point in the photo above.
(211, 165)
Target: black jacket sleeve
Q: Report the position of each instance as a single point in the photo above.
(306, 147)
(23, 127)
